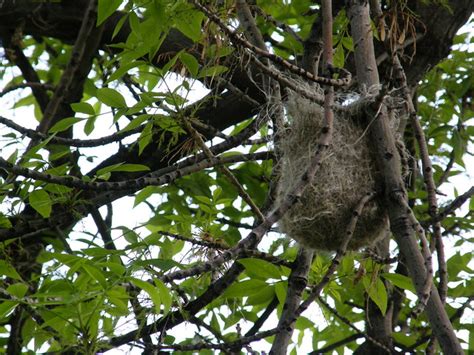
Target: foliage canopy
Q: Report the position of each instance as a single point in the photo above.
(139, 167)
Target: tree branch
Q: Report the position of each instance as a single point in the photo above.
(389, 163)
(153, 179)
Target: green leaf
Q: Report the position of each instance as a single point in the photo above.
(166, 68)
(190, 63)
(111, 97)
(376, 291)
(119, 25)
(212, 71)
(90, 125)
(280, 291)
(18, 289)
(401, 281)
(457, 263)
(8, 270)
(244, 288)
(6, 307)
(83, 107)
(124, 68)
(41, 202)
(122, 167)
(204, 199)
(165, 296)
(25, 101)
(137, 121)
(263, 296)
(339, 57)
(4, 222)
(188, 21)
(303, 323)
(119, 298)
(106, 8)
(145, 137)
(135, 25)
(260, 269)
(347, 43)
(151, 290)
(65, 124)
(115, 267)
(145, 193)
(95, 274)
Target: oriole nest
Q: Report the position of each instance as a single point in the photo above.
(348, 172)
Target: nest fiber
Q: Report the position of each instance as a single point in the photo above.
(319, 220)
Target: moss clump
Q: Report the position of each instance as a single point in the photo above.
(348, 172)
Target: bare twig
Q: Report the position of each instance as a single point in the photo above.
(274, 58)
(433, 205)
(452, 207)
(77, 55)
(447, 170)
(337, 344)
(428, 174)
(133, 184)
(14, 52)
(29, 84)
(248, 23)
(352, 326)
(266, 313)
(81, 143)
(233, 180)
(283, 26)
(431, 190)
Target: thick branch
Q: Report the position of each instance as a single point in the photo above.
(389, 163)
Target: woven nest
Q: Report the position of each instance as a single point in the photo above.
(319, 220)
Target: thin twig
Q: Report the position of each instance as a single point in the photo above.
(283, 26)
(225, 170)
(77, 55)
(261, 320)
(337, 344)
(194, 241)
(30, 84)
(352, 326)
(437, 242)
(379, 259)
(132, 184)
(274, 58)
(447, 170)
(452, 207)
(80, 143)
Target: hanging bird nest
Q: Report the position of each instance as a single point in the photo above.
(348, 172)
